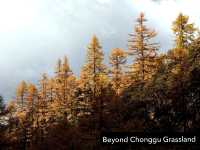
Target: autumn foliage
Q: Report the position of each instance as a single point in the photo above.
(154, 92)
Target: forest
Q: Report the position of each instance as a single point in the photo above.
(155, 91)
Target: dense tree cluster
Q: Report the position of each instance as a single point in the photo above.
(155, 92)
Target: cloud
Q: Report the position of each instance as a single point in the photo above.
(31, 40)
(34, 33)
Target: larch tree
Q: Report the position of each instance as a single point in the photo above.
(66, 73)
(65, 89)
(68, 87)
(43, 107)
(143, 49)
(71, 99)
(52, 100)
(57, 80)
(94, 69)
(21, 94)
(51, 90)
(31, 98)
(31, 95)
(58, 67)
(117, 60)
(62, 87)
(93, 79)
(184, 34)
(184, 31)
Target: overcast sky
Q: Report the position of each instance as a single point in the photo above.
(35, 33)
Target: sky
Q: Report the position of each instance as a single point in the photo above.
(35, 33)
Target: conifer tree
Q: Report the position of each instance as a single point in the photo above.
(184, 31)
(117, 60)
(31, 95)
(71, 99)
(42, 107)
(52, 100)
(66, 73)
(21, 94)
(31, 99)
(51, 90)
(62, 86)
(184, 35)
(93, 80)
(58, 67)
(94, 68)
(143, 49)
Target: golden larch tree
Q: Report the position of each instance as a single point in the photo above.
(117, 61)
(92, 80)
(94, 69)
(63, 88)
(184, 34)
(183, 30)
(143, 49)
(21, 94)
(42, 105)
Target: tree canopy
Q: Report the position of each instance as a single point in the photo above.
(153, 93)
